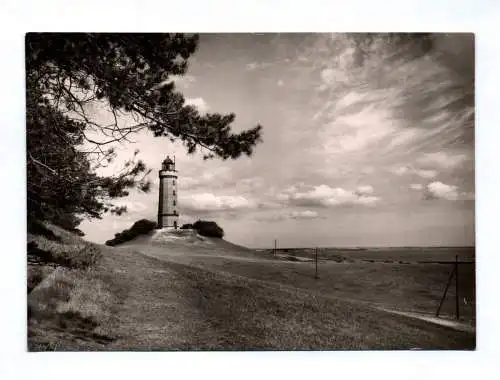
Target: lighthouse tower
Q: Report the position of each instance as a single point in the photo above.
(167, 205)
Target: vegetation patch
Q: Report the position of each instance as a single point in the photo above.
(79, 255)
(208, 228)
(68, 299)
(67, 306)
(141, 227)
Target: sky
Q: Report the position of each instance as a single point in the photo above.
(370, 146)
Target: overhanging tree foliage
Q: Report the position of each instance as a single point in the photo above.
(67, 76)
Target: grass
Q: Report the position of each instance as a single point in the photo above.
(68, 300)
(181, 307)
(411, 287)
(212, 295)
(79, 254)
(67, 311)
(251, 314)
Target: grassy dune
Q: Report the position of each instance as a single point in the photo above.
(177, 295)
(67, 297)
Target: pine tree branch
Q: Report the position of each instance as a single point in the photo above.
(54, 172)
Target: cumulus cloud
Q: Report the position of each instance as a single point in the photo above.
(440, 190)
(416, 186)
(209, 202)
(326, 196)
(198, 103)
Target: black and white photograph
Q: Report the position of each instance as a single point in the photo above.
(250, 191)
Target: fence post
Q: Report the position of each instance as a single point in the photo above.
(445, 291)
(457, 298)
(316, 261)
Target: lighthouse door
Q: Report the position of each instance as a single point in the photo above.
(175, 224)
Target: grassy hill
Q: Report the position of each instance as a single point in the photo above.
(181, 291)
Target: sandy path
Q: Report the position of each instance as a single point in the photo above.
(153, 314)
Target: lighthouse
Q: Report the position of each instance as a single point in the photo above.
(167, 204)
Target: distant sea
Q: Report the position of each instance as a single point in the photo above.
(410, 254)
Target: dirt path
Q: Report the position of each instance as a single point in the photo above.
(153, 314)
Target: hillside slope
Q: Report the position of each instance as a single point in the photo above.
(166, 294)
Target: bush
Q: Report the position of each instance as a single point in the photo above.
(208, 228)
(141, 227)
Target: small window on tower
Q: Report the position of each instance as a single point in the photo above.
(173, 193)
(174, 202)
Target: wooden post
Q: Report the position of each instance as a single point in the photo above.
(457, 297)
(445, 291)
(316, 261)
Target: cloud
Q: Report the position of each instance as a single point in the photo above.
(198, 103)
(251, 184)
(442, 159)
(256, 65)
(402, 170)
(327, 75)
(285, 215)
(468, 196)
(426, 173)
(307, 214)
(440, 190)
(132, 206)
(384, 102)
(326, 196)
(251, 66)
(281, 83)
(184, 81)
(209, 202)
(186, 183)
(354, 125)
(364, 190)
